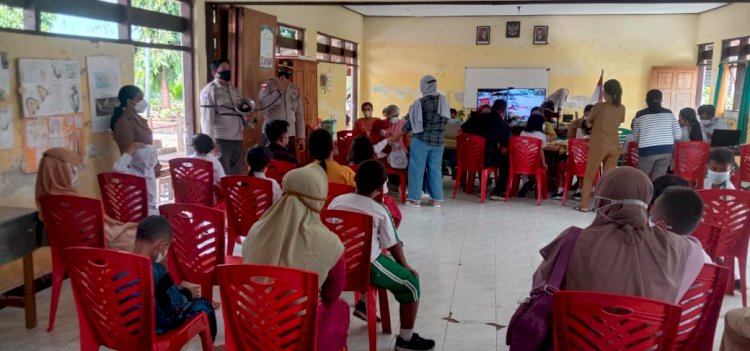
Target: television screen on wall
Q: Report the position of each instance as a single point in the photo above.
(520, 100)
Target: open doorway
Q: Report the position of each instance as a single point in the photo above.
(351, 97)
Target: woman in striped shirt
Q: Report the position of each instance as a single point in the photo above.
(655, 129)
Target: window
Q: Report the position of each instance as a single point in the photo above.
(290, 41)
(75, 25)
(705, 60)
(155, 36)
(332, 49)
(11, 17)
(736, 53)
(170, 7)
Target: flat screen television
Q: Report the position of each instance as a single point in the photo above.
(520, 100)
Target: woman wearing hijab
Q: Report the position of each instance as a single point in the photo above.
(427, 119)
(291, 234)
(621, 252)
(140, 160)
(604, 144)
(58, 175)
(126, 123)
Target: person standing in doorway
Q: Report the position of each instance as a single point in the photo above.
(220, 119)
(604, 143)
(283, 101)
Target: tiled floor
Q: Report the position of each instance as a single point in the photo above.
(475, 263)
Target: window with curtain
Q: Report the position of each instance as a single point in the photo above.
(705, 61)
(735, 54)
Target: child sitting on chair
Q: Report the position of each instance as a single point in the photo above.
(720, 166)
(203, 145)
(140, 160)
(679, 209)
(174, 304)
(393, 274)
(258, 159)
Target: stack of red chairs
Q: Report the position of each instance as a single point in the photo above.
(526, 159)
(470, 154)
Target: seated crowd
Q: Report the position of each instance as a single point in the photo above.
(640, 242)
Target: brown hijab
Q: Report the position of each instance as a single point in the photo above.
(621, 253)
(54, 176)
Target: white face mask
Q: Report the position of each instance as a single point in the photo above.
(368, 114)
(74, 175)
(612, 202)
(718, 177)
(141, 106)
(394, 119)
(161, 257)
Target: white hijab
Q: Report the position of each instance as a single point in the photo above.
(428, 87)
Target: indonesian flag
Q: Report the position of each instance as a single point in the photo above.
(598, 95)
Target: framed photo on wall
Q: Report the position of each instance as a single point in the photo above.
(541, 34)
(513, 29)
(483, 35)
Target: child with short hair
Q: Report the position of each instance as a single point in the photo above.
(664, 182)
(203, 145)
(258, 159)
(720, 166)
(174, 304)
(394, 274)
(680, 210)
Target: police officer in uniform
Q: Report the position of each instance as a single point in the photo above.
(221, 118)
(282, 100)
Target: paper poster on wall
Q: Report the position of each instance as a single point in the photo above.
(266, 47)
(104, 84)
(49, 87)
(47, 132)
(6, 107)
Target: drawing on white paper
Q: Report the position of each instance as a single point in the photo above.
(49, 87)
(104, 84)
(55, 128)
(37, 134)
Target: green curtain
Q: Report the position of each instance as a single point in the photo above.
(744, 106)
(717, 87)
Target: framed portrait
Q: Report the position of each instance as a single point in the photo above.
(541, 34)
(513, 29)
(483, 35)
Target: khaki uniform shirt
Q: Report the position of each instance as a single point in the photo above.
(219, 119)
(286, 106)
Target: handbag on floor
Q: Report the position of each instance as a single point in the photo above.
(530, 328)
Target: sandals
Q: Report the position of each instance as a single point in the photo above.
(582, 209)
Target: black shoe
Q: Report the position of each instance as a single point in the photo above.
(557, 196)
(416, 343)
(577, 196)
(737, 285)
(360, 311)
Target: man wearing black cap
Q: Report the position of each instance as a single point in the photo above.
(284, 102)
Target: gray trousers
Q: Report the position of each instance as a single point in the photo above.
(655, 166)
(231, 156)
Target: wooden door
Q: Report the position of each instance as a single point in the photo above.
(678, 84)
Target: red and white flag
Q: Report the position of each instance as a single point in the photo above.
(598, 95)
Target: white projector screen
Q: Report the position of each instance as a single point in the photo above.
(476, 78)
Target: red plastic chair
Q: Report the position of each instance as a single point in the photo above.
(192, 181)
(578, 153)
(701, 306)
(124, 196)
(729, 210)
(470, 156)
(197, 244)
(632, 155)
(355, 232)
(114, 294)
(526, 158)
(743, 173)
(344, 141)
(248, 199)
(268, 308)
(403, 177)
(336, 189)
(278, 169)
(690, 161)
(585, 320)
(69, 221)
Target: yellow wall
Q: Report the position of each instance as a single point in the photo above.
(16, 187)
(332, 103)
(727, 22)
(401, 50)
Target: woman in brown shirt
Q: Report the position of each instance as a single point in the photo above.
(604, 143)
(126, 123)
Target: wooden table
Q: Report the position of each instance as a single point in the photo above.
(20, 235)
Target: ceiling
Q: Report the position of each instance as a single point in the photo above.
(477, 9)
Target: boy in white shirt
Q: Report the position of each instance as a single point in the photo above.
(140, 160)
(203, 145)
(720, 165)
(258, 159)
(394, 274)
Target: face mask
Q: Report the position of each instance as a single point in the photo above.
(368, 114)
(160, 257)
(394, 120)
(718, 177)
(74, 175)
(225, 76)
(659, 224)
(611, 202)
(141, 106)
(706, 123)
